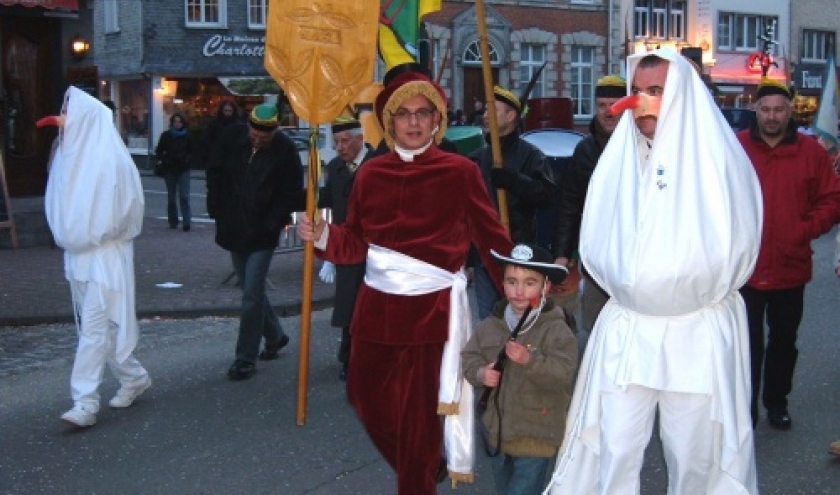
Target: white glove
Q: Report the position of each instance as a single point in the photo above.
(327, 272)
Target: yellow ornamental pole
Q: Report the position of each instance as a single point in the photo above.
(322, 54)
(490, 110)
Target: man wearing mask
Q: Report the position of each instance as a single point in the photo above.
(670, 230)
(801, 196)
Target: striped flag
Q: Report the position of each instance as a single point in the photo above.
(399, 29)
(825, 122)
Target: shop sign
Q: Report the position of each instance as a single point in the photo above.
(234, 46)
(808, 79)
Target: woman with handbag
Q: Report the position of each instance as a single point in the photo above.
(173, 153)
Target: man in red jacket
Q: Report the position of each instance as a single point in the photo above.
(801, 202)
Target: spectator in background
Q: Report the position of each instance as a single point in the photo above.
(801, 195)
(260, 185)
(226, 114)
(573, 187)
(526, 179)
(174, 151)
(341, 173)
(477, 114)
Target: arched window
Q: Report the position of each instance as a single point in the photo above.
(472, 54)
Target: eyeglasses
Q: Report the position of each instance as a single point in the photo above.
(421, 114)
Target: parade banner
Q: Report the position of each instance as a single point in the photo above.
(399, 29)
(825, 123)
(322, 54)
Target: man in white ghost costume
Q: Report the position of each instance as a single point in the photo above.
(94, 206)
(670, 230)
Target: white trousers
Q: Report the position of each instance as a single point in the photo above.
(686, 430)
(97, 346)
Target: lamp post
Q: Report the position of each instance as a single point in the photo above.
(79, 47)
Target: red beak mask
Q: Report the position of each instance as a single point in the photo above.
(642, 104)
(56, 120)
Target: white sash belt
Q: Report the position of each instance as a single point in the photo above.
(395, 273)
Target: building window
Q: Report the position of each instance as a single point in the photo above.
(659, 19)
(582, 69)
(111, 14)
(532, 58)
(676, 21)
(436, 57)
(472, 53)
(740, 32)
(206, 13)
(257, 10)
(817, 45)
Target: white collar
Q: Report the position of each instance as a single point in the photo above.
(408, 155)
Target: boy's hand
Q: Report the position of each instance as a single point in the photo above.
(517, 352)
(488, 376)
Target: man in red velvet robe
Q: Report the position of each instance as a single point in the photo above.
(412, 215)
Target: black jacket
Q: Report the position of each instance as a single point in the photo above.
(256, 191)
(533, 187)
(174, 152)
(335, 195)
(573, 187)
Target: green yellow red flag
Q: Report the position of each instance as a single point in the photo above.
(399, 29)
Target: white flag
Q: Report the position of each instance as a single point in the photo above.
(825, 122)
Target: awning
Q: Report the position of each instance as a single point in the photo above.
(250, 86)
(70, 5)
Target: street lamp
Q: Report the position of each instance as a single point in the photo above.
(79, 47)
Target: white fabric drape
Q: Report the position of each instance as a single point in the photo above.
(94, 206)
(671, 240)
(396, 273)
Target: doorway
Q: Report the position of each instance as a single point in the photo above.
(474, 89)
(28, 74)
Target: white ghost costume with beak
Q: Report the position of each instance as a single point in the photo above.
(94, 206)
(670, 230)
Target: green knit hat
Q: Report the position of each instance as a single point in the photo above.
(265, 117)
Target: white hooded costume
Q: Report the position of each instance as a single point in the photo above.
(671, 232)
(94, 206)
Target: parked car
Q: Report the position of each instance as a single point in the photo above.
(557, 145)
(738, 118)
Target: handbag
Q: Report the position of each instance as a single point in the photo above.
(159, 169)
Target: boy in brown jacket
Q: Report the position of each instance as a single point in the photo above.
(526, 411)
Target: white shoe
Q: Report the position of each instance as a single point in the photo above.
(78, 416)
(125, 396)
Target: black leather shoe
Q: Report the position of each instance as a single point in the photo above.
(779, 419)
(272, 351)
(241, 370)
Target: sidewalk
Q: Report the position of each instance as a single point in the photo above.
(33, 289)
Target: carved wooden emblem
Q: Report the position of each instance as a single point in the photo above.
(321, 53)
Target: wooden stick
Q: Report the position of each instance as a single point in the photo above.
(308, 262)
(490, 109)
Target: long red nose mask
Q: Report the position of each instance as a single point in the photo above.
(642, 104)
(50, 120)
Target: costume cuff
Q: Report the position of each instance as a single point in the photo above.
(321, 242)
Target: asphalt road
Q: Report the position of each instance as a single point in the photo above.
(195, 432)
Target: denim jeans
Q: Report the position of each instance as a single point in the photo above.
(521, 475)
(486, 294)
(258, 319)
(178, 183)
